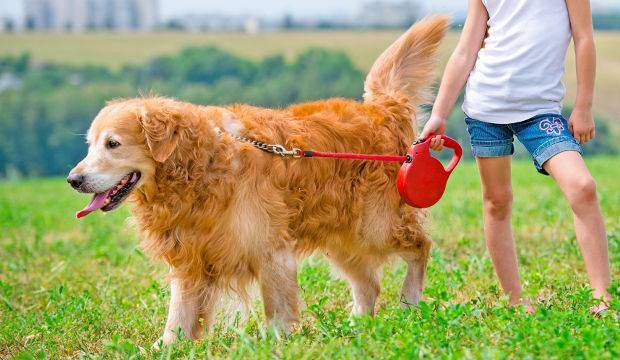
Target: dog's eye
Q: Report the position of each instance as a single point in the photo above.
(113, 144)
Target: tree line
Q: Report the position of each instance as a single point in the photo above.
(45, 108)
(46, 111)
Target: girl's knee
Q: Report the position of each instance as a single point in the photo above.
(498, 204)
(582, 193)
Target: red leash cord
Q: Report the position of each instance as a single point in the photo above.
(298, 153)
(386, 158)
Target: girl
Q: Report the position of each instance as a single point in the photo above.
(511, 55)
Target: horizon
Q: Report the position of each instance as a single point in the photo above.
(277, 8)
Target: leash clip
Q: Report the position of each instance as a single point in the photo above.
(272, 148)
(282, 151)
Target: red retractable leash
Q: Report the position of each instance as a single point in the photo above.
(421, 180)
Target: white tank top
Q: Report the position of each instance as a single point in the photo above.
(519, 70)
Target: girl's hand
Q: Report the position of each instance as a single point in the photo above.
(434, 125)
(582, 126)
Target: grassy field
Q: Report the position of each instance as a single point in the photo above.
(363, 46)
(73, 288)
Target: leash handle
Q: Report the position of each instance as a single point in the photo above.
(458, 152)
(449, 143)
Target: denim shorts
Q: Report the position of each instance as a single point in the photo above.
(544, 136)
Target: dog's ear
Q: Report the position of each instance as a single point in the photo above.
(160, 126)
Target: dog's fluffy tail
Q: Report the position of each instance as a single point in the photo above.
(404, 71)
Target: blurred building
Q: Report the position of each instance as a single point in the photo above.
(82, 15)
(372, 14)
(375, 14)
(207, 22)
(248, 23)
(388, 14)
(7, 24)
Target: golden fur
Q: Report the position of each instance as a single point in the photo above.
(222, 213)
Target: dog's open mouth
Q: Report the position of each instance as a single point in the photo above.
(113, 197)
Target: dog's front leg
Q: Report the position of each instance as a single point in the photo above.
(279, 289)
(183, 314)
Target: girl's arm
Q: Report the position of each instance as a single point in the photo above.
(457, 70)
(581, 120)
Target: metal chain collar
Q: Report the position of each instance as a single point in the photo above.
(277, 149)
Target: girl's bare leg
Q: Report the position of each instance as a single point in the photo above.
(570, 172)
(495, 174)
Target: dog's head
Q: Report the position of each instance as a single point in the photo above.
(125, 142)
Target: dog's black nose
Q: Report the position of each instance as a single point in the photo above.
(76, 180)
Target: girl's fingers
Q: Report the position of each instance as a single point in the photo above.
(578, 136)
(437, 143)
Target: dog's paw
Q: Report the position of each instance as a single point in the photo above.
(162, 343)
(158, 345)
(410, 303)
(282, 328)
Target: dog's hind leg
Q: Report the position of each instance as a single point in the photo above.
(413, 246)
(279, 288)
(414, 280)
(408, 239)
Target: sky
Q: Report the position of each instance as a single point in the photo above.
(279, 7)
(170, 8)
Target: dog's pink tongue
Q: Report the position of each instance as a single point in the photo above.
(96, 203)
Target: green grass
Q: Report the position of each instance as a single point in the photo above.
(73, 288)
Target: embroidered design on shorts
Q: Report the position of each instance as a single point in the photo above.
(553, 126)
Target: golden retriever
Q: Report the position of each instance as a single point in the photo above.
(222, 213)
